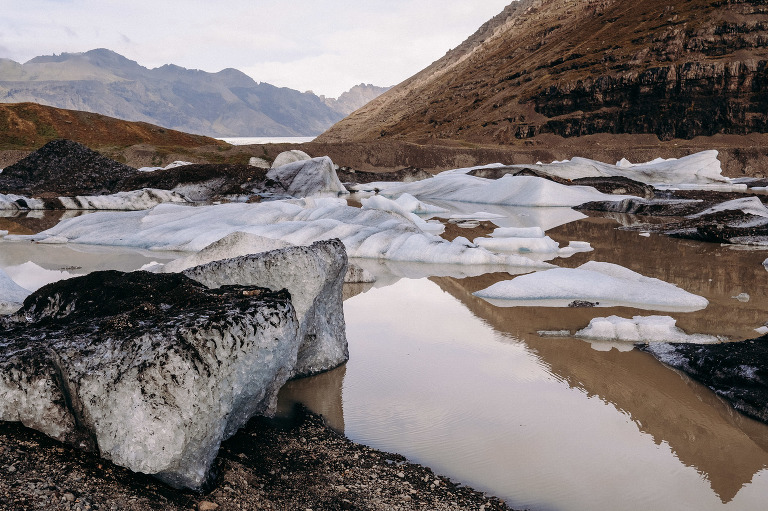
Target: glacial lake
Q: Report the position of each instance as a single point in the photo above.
(473, 390)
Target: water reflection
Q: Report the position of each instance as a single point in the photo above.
(472, 390)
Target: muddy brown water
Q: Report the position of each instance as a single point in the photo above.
(547, 423)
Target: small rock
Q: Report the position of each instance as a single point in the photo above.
(401, 475)
(207, 506)
(69, 497)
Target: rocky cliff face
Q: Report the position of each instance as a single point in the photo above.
(676, 70)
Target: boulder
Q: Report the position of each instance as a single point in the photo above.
(261, 163)
(735, 371)
(308, 177)
(314, 276)
(291, 156)
(151, 371)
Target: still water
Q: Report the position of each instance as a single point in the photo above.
(473, 391)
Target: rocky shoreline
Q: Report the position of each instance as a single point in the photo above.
(299, 463)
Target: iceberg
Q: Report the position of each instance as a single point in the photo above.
(159, 372)
(232, 245)
(314, 277)
(304, 178)
(641, 329)
(18, 202)
(508, 190)
(134, 200)
(291, 156)
(702, 168)
(528, 239)
(603, 284)
(366, 233)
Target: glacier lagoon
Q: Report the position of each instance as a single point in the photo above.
(475, 391)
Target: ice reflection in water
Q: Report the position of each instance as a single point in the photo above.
(473, 391)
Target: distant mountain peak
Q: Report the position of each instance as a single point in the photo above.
(228, 103)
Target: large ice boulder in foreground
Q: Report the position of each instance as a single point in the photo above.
(735, 371)
(600, 284)
(12, 295)
(314, 277)
(152, 371)
(308, 177)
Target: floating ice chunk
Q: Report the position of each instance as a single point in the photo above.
(414, 205)
(508, 190)
(3, 233)
(232, 245)
(383, 204)
(543, 244)
(699, 168)
(742, 297)
(604, 283)
(762, 330)
(11, 294)
(641, 329)
(134, 200)
(366, 233)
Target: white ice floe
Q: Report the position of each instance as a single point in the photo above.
(410, 203)
(14, 202)
(383, 204)
(511, 216)
(531, 239)
(701, 168)
(641, 329)
(508, 190)
(762, 330)
(603, 284)
(12, 295)
(134, 200)
(366, 233)
(305, 178)
(169, 166)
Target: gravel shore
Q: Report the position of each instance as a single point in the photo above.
(300, 465)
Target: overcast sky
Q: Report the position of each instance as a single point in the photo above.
(325, 46)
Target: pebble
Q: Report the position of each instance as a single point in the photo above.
(207, 506)
(69, 497)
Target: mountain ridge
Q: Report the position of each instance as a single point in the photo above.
(227, 103)
(573, 68)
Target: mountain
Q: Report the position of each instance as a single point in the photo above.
(224, 104)
(354, 98)
(672, 69)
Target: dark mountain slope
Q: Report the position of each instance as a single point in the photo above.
(673, 69)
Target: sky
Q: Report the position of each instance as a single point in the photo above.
(325, 46)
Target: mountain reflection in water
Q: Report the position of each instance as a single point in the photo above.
(473, 391)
